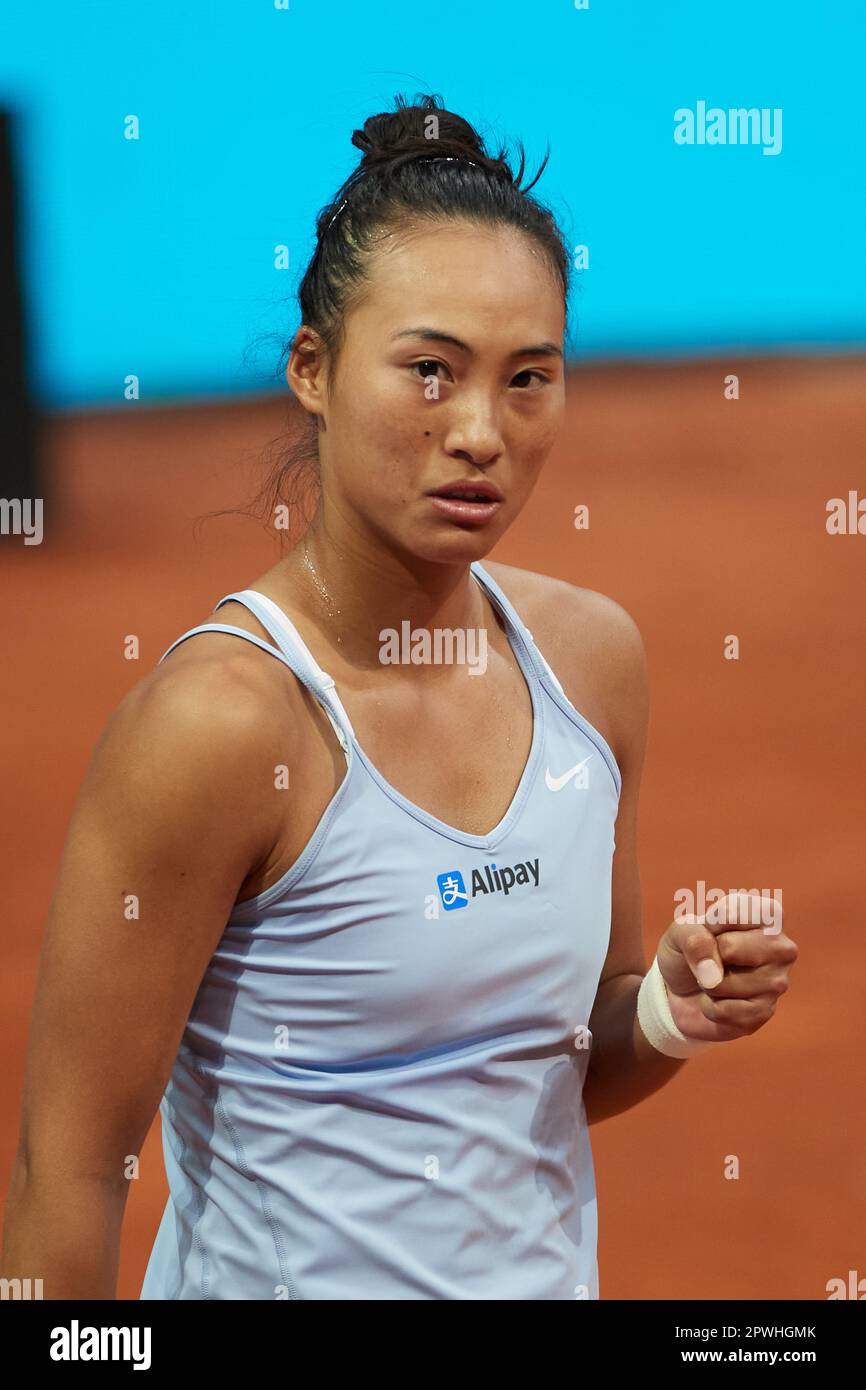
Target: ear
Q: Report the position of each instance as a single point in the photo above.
(306, 371)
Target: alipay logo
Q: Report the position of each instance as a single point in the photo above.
(452, 887)
(452, 890)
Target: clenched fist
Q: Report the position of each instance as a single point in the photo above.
(724, 971)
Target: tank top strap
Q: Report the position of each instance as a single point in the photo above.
(298, 655)
(516, 624)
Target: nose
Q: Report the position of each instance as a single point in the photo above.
(473, 431)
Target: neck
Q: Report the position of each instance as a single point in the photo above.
(352, 592)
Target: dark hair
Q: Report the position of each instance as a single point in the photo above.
(420, 162)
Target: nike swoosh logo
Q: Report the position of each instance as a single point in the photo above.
(556, 784)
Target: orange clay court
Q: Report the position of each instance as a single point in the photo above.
(707, 518)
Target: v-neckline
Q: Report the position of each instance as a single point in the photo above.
(503, 825)
(522, 656)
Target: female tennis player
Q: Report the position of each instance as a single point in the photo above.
(358, 909)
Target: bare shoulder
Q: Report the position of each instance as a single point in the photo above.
(594, 646)
(212, 688)
(197, 730)
(560, 608)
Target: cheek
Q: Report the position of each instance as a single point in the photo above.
(389, 453)
(537, 435)
(385, 410)
(533, 449)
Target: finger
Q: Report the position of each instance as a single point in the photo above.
(746, 909)
(751, 982)
(699, 950)
(752, 946)
(746, 1015)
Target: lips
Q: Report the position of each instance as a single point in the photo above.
(467, 502)
(465, 490)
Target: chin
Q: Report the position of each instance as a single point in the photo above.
(454, 544)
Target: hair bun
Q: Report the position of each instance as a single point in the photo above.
(424, 128)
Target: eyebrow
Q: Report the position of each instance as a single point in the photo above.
(434, 334)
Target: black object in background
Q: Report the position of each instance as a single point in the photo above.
(18, 451)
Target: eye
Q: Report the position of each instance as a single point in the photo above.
(429, 364)
(530, 371)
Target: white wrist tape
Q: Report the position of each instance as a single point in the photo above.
(656, 1020)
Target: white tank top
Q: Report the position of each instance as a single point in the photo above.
(378, 1094)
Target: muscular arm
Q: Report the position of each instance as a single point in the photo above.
(623, 1067)
(172, 816)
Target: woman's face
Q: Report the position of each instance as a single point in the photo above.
(406, 413)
